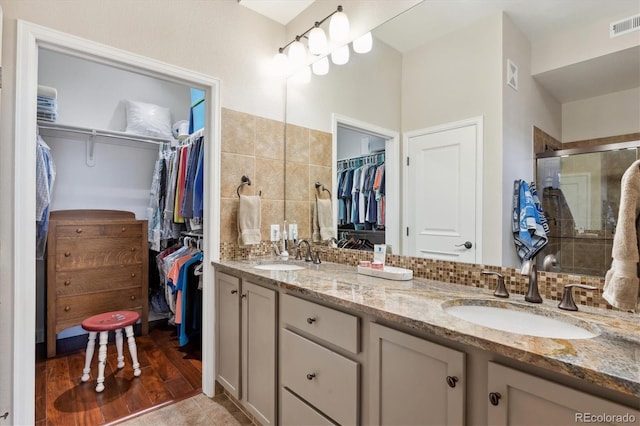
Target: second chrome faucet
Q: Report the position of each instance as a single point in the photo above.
(529, 269)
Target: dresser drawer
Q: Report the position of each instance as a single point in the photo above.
(98, 279)
(74, 253)
(326, 380)
(328, 324)
(296, 412)
(85, 305)
(80, 230)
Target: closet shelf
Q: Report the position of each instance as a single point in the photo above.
(106, 136)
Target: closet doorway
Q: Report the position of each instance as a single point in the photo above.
(355, 143)
(30, 39)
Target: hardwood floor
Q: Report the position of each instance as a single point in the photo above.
(169, 374)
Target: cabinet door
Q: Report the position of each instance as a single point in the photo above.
(228, 332)
(529, 400)
(259, 351)
(413, 381)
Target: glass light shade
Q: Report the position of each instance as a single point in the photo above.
(317, 41)
(340, 56)
(297, 54)
(280, 64)
(302, 76)
(363, 44)
(321, 67)
(339, 27)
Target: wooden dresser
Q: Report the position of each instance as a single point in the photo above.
(97, 261)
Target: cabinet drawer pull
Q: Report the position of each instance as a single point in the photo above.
(311, 320)
(133, 298)
(494, 398)
(234, 291)
(133, 249)
(310, 376)
(79, 230)
(67, 253)
(67, 282)
(67, 308)
(451, 381)
(133, 275)
(123, 229)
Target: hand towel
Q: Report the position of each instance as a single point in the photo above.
(621, 281)
(528, 232)
(323, 220)
(249, 220)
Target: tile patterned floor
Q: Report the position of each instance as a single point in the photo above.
(194, 411)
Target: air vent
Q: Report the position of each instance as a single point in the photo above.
(624, 26)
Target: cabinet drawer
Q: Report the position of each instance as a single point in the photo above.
(296, 412)
(326, 380)
(98, 279)
(96, 252)
(328, 324)
(80, 230)
(86, 305)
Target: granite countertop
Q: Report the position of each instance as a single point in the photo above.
(611, 359)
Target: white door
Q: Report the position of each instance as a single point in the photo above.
(442, 188)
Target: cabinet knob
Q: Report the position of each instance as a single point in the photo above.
(133, 298)
(234, 291)
(451, 381)
(243, 296)
(133, 249)
(494, 398)
(123, 229)
(67, 282)
(67, 253)
(311, 320)
(133, 275)
(311, 376)
(67, 308)
(79, 230)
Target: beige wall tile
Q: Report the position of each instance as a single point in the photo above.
(228, 220)
(298, 211)
(319, 174)
(238, 132)
(320, 148)
(297, 185)
(270, 178)
(232, 168)
(269, 138)
(297, 144)
(272, 213)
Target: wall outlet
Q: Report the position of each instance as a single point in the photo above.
(275, 232)
(293, 231)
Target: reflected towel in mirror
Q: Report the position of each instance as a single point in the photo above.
(323, 220)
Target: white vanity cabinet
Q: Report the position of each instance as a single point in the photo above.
(318, 385)
(518, 398)
(414, 381)
(246, 328)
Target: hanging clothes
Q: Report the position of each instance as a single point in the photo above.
(45, 177)
(361, 192)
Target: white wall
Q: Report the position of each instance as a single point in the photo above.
(607, 115)
(457, 77)
(522, 109)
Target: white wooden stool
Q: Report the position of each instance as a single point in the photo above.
(103, 324)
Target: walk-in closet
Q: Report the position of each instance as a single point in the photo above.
(120, 199)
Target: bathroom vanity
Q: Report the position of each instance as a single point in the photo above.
(322, 344)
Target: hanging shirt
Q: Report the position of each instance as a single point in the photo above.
(45, 176)
(180, 182)
(198, 184)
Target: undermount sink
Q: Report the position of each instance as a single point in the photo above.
(279, 267)
(520, 319)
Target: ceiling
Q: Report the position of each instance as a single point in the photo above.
(536, 19)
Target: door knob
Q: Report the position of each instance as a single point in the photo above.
(466, 244)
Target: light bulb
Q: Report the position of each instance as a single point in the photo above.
(363, 44)
(321, 67)
(302, 76)
(340, 56)
(339, 27)
(297, 54)
(280, 64)
(317, 41)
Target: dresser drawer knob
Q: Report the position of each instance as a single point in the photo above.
(451, 381)
(67, 308)
(133, 275)
(67, 282)
(133, 249)
(311, 320)
(79, 230)
(123, 229)
(67, 253)
(133, 298)
(311, 376)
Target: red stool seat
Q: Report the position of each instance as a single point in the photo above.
(110, 321)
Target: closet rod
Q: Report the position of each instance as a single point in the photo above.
(106, 133)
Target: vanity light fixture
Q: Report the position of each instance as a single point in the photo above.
(293, 58)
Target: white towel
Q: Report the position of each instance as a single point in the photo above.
(249, 220)
(621, 281)
(323, 220)
(48, 92)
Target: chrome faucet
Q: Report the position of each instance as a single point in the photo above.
(501, 290)
(529, 269)
(308, 256)
(276, 250)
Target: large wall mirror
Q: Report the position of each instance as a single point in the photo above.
(484, 70)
